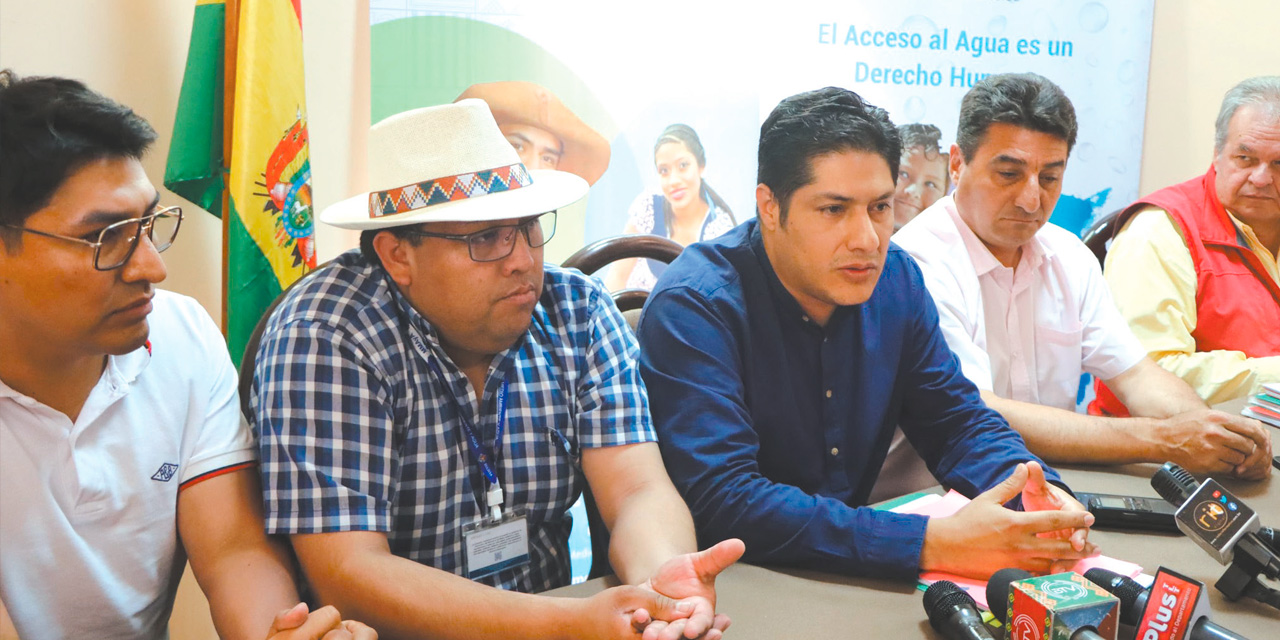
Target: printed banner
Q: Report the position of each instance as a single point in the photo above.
(615, 79)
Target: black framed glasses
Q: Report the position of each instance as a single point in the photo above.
(118, 240)
(496, 243)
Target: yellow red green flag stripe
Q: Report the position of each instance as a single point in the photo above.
(266, 171)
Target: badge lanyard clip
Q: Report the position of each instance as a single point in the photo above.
(494, 497)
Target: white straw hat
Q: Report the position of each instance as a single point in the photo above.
(449, 164)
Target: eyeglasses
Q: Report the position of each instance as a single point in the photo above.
(117, 241)
(496, 243)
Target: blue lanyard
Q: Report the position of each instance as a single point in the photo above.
(483, 454)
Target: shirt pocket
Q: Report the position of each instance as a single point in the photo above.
(543, 467)
(1058, 366)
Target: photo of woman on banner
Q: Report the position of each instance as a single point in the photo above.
(544, 132)
(922, 172)
(684, 208)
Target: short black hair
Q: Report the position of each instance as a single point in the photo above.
(1026, 100)
(817, 123)
(367, 236)
(49, 128)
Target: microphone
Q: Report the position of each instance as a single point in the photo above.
(1209, 514)
(1226, 528)
(1174, 484)
(1165, 617)
(953, 613)
(998, 590)
(1062, 605)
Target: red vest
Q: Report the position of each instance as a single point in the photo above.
(1237, 302)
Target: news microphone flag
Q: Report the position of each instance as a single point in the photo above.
(241, 143)
(1062, 606)
(1207, 513)
(1159, 604)
(1173, 606)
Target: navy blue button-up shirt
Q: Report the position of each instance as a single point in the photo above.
(774, 428)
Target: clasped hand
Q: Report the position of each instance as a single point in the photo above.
(1207, 441)
(322, 624)
(1050, 534)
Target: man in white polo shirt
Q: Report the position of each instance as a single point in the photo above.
(122, 451)
(1023, 304)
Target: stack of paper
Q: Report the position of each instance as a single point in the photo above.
(1265, 405)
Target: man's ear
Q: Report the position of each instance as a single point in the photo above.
(396, 257)
(955, 162)
(768, 209)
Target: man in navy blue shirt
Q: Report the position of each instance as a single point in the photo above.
(780, 356)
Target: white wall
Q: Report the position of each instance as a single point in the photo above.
(1199, 49)
(135, 51)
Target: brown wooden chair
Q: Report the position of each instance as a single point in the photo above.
(249, 361)
(602, 253)
(588, 260)
(1099, 234)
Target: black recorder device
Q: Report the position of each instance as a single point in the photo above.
(1129, 512)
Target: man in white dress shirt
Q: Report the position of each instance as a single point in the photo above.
(1023, 304)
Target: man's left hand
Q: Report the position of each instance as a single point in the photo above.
(1039, 495)
(322, 624)
(691, 578)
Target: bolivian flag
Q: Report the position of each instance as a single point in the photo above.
(240, 150)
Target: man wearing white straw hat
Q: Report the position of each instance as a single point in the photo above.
(430, 404)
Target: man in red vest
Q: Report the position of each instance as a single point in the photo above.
(1193, 268)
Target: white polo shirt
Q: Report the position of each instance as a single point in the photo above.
(1025, 334)
(88, 511)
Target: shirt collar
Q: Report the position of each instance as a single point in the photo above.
(1244, 233)
(120, 372)
(1033, 254)
(782, 298)
(7, 392)
(123, 370)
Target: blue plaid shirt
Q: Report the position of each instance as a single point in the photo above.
(358, 434)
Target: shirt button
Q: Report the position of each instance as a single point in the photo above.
(828, 393)
(805, 318)
(835, 451)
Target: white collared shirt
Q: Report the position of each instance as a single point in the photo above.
(89, 533)
(1024, 333)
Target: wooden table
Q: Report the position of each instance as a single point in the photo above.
(774, 603)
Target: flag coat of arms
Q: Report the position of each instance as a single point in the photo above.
(240, 150)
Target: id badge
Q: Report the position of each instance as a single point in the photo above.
(489, 545)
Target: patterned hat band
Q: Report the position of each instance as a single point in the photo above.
(448, 189)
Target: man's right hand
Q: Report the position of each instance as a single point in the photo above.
(984, 536)
(1207, 442)
(322, 624)
(627, 612)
